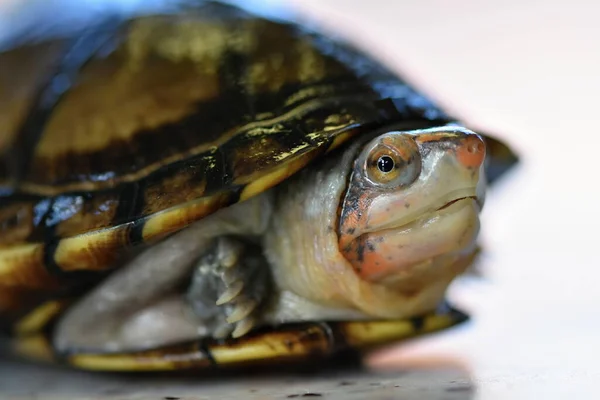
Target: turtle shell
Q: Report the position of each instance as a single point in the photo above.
(130, 130)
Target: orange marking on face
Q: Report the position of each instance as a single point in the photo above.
(376, 257)
(471, 151)
(375, 260)
(353, 219)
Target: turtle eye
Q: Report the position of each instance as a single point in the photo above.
(387, 165)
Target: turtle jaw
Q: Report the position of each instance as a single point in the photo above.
(399, 221)
(407, 254)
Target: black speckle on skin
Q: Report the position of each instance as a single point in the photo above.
(360, 251)
(171, 398)
(351, 231)
(345, 383)
(312, 395)
(370, 246)
(406, 205)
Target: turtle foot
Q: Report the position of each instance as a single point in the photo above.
(229, 284)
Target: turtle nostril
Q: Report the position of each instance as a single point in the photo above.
(475, 147)
(471, 152)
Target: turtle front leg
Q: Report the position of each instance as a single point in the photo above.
(229, 284)
(141, 305)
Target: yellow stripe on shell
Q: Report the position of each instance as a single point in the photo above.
(342, 138)
(176, 218)
(290, 167)
(37, 319)
(364, 334)
(34, 347)
(150, 361)
(278, 175)
(94, 251)
(23, 266)
(275, 345)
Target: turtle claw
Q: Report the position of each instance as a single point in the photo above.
(228, 286)
(242, 327)
(230, 293)
(229, 252)
(241, 310)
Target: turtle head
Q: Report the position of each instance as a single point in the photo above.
(410, 215)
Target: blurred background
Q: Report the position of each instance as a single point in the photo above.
(528, 71)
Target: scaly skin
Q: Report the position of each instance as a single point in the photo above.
(342, 240)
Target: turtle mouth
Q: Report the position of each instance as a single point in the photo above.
(451, 202)
(447, 204)
(446, 209)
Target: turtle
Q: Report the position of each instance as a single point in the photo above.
(210, 186)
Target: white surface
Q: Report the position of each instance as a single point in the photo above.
(31, 382)
(528, 70)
